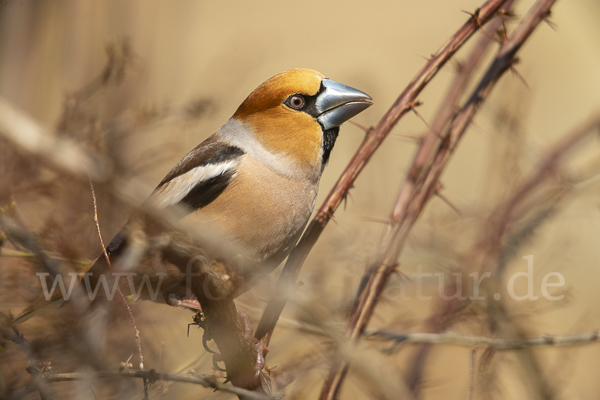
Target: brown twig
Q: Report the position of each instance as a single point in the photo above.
(491, 249)
(138, 339)
(208, 381)
(39, 383)
(372, 141)
(471, 373)
(67, 156)
(425, 187)
(454, 339)
(447, 111)
(511, 210)
(161, 360)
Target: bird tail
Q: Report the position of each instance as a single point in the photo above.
(36, 306)
(57, 298)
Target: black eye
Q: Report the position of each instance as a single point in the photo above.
(296, 101)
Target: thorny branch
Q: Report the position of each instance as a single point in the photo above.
(57, 149)
(491, 253)
(425, 187)
(362, 156)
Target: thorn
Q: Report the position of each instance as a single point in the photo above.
(548, 21)
(501, 36)
(269, 369)
(501, 14)
(506, 13)
(515, 72)
(377, 220)
(402, 276)
(445, 199)
(474, 16)
(346, 196)
(413, 106)
(327, 215)
(364, 128)
(416, 139)
(458, 66)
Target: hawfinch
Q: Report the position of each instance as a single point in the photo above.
(256, 178)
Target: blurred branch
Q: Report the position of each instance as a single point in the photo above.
(372, 141)
(136, 331)
(472, 355)
(408, 211)
(454, 339)
(501, 242)
(24, 254)
(62, 153)
(511, 226)
(513, 209)
(208, 381)
(39, 383)
(67, 156)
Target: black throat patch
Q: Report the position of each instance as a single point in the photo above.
(329, 138)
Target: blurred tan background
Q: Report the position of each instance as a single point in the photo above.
(215, 53)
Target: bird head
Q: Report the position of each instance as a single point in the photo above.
(297, 113)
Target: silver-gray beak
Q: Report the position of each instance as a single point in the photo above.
(338, 103)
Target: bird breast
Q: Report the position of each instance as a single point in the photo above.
(263, 211)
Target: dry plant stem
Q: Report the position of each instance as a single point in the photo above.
(27, 255)
(493, 243)
(161, 389)
(138, 339)
(66, 156)
(387, 262)
(453, 339)
(424, 154)
(506, 212)
(136, 331)
(493, 248)
(471, 374)
(448, 109)
(372, 141)
(39, 383)
(208, 381)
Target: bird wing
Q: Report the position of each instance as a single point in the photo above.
(200, 177)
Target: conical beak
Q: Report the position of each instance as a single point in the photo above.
(338, 103)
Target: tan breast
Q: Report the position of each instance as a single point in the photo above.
(262, 210)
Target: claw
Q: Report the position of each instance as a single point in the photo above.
(215, 361)
(205, 339)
